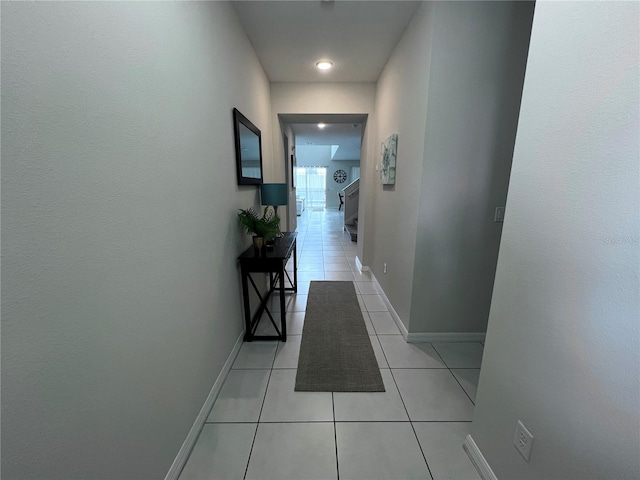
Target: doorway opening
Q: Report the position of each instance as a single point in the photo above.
(322, 160)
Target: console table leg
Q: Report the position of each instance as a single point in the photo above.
(295, 266)
(283, 313)
(247, 309)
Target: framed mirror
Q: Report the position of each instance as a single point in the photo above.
(248, 150)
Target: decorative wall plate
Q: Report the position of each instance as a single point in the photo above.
(340, 176)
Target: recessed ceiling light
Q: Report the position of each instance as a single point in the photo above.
(321, 125)
(324, 65)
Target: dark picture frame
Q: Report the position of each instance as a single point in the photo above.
(248, 141)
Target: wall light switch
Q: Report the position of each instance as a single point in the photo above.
(499, 216)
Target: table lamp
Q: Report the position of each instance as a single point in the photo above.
(274, 194)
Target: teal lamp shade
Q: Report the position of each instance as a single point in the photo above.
(274, 194)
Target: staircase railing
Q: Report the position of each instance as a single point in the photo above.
(351, 199)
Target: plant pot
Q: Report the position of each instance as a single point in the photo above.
(258, 242)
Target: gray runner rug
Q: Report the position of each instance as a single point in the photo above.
(336, 353)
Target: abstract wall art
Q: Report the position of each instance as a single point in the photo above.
(389, 152)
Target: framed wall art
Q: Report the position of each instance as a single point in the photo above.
(389, 152)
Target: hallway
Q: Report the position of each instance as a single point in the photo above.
(259, 428)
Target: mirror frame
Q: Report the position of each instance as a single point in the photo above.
(240, 119)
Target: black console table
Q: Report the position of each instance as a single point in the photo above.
(273, 262)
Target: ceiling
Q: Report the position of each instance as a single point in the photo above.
(346, 135)
(358, 36)
(342, 130)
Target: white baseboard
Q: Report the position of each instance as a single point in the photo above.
(198, 424)
(361, 268)
(446, 337)
(392, 311)
(425, 337)
(478, 460)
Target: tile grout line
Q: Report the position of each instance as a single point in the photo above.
(421, 449)
(255, 434)
(411, 422)
(339, 421)
(452, 374)
(335, 436)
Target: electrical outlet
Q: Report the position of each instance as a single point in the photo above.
(384, 268)
(523, 440)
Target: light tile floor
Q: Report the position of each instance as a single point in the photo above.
(259, 428)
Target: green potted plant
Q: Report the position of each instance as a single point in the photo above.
(264, 228)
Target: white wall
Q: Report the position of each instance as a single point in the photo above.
(562, 347)
(451, 90)
(119, 230)
(475, 86)
(401, 107)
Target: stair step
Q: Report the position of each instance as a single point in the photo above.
(353, 231)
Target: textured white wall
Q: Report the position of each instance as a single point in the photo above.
(401, 107)
(119, 233)
(451, 91)
(475, 86)
(563, 348)
(313, 155)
